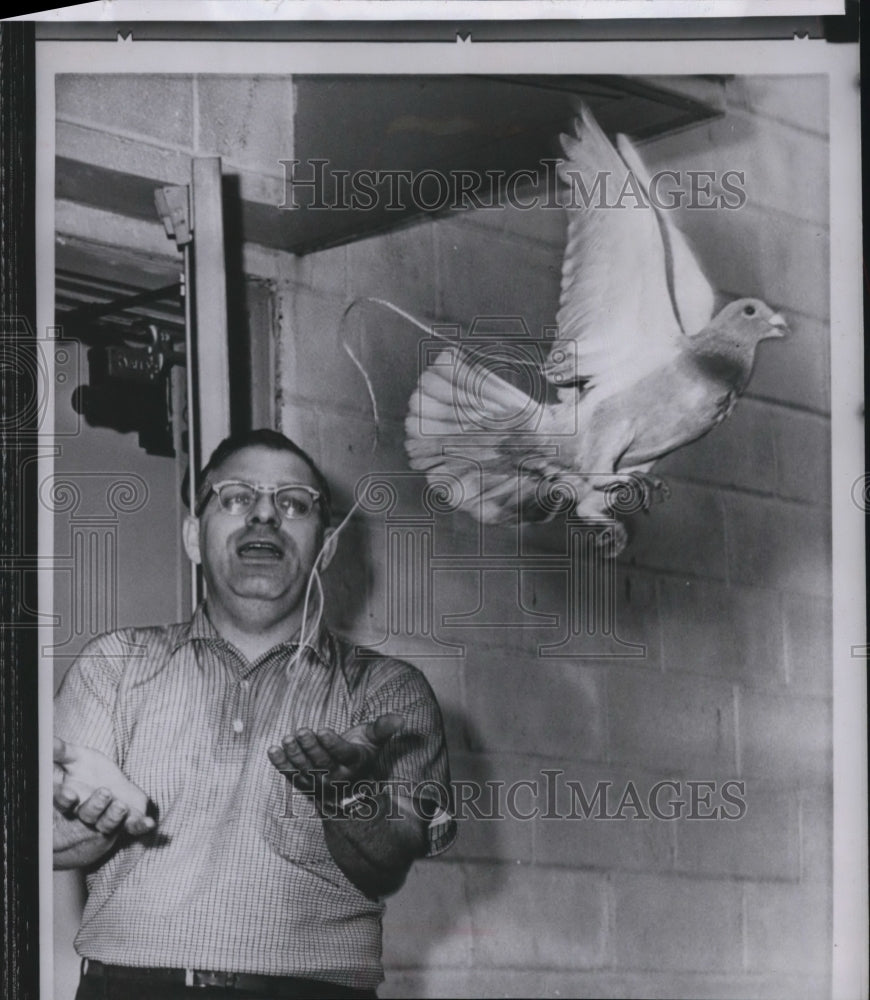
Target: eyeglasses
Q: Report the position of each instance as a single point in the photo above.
(238, 498)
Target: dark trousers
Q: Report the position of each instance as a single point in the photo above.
(108, 988)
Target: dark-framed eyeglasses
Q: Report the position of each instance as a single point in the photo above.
(292, 501)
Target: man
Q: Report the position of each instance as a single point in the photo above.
(205, 773)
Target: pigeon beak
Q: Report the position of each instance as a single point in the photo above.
(778, 326)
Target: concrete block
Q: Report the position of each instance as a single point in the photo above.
(528, 610)
(488, 812)
(594, 841)
(779, 545)
(323, 271)
(398, 265)
(672, 722)
(446, 678)
(491, 983)
(808, 644)
(538, 918)
(299, 422)
(94, 145)
(344, 451)
(785, 738)
(817, 835)
(637, 618)
(762, 843)
(541, 224)
(603, 985)
(393, 351)
(739, 452)
(427, 923)
(482, 276)
(784, 168)
(762, 253)
(424, 983)
(349, 582)
(663, 922)
(314, 367)
(683, 534)
(789, 928)
(486, 610)
(799, 100)
(721, 631)
(247, 119)
(526, 705)
(796, 369)
(736, 985)
(154, 105)
(589, 621)
(803, 456)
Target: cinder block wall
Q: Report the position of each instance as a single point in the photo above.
(726, 586)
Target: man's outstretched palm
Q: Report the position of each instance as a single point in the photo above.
(93, 788)
(325, 762)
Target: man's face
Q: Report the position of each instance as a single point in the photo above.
(257, 558)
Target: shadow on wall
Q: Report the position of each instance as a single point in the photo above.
(430, 924)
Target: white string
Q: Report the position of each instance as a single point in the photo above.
(314, 578)
(428, 329)
(371, 390)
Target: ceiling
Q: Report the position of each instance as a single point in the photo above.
(414, 123)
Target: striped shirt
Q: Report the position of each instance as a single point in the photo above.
(238, 876)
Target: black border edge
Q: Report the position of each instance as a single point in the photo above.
(446, 30)
(19, 808)
(843, 28)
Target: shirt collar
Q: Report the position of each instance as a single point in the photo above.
(321, 645)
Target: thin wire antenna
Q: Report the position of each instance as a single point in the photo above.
(399, 312)
(314, 578)
(411, 318)
(428, 329)
(370, 387)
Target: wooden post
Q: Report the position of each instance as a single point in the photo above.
(210, 358)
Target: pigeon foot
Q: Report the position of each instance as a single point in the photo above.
(612, 540)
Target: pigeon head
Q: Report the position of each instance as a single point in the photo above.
(725, 348)
(750, 320)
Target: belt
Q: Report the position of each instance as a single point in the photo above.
(281, 986)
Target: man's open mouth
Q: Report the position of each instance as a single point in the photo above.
(260, 549)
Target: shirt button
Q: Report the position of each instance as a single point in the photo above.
(238, 725)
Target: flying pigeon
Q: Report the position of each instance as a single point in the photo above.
(642, 367)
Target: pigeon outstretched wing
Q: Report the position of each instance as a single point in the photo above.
(502, 444)
(691, 293)
(631, 287)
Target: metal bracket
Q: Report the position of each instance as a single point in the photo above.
(173, 207)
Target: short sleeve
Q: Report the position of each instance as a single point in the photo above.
(414, 762)
(84, 705)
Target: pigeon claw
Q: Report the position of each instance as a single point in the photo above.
(632, 492)
(612, 540)
(656, 490)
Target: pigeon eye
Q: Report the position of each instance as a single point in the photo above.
(749, 310)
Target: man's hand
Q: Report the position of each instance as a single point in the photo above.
(91, 787)
(325, 764)
(376, 852)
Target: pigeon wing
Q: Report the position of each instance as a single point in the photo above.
(466, 421)
(615, 305)
(691, 293)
